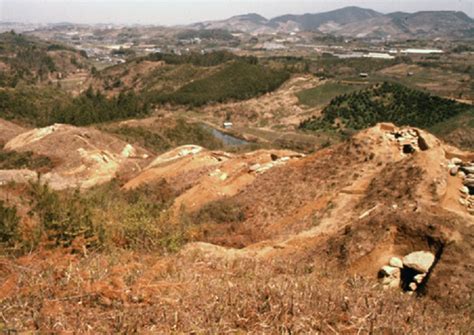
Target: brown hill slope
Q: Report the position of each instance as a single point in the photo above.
(304, 256)
(8, 130)
(386, 193)
(83, 157)
(395, 181)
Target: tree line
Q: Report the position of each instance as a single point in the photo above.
(45, 107)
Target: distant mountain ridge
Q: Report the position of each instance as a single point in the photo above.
(355, 22)
(340, 16)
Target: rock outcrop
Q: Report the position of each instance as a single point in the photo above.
(464, 170)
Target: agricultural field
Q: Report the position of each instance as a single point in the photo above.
(447, 83)
(322, 95)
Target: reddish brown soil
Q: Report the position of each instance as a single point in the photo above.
(304, 258)
(8, 130)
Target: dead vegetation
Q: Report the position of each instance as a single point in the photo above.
(296, 247)
(51, 292)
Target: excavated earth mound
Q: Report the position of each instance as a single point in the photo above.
(201, 176)
(385, 193)
(84, 157)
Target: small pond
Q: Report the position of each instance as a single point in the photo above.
(226, 138)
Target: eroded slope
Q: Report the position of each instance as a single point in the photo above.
(83, 157)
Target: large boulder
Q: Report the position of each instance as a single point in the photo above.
(420, 261)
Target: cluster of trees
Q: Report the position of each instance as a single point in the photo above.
(200, 59)
(238, 80)
(23, 160)
(41, 107)
(8, 224)
(94, 107)
(26, 57)
(129, 53)
(463, 48)
(59, 47)
(33, 59)
(387, 102)
(31, 105)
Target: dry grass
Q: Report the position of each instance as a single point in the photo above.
(123, 292)
(305, 285)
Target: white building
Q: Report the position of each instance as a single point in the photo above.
(379, 55)
(422, 51)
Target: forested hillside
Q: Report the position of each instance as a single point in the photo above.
(386, 102)
(198, 59)
(41, 107)
(238, 80)
(24, 59)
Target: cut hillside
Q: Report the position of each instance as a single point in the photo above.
(200, 176)
(386, 202)
(83, 157)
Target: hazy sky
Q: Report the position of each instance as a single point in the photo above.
(170, 12)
